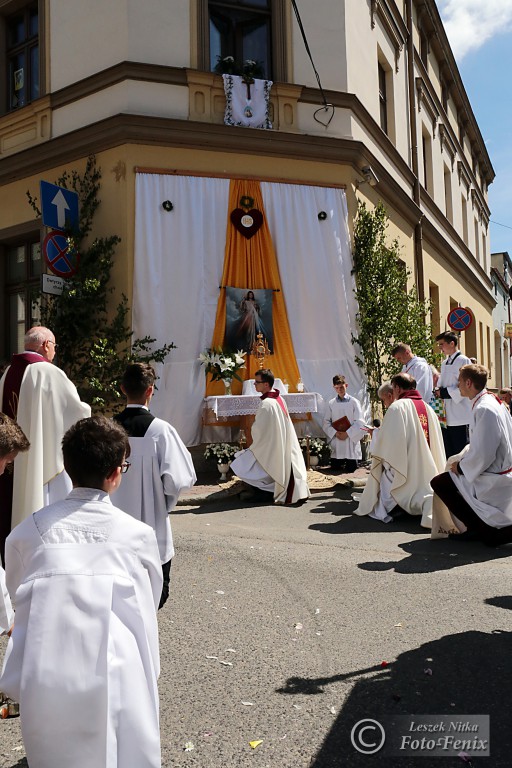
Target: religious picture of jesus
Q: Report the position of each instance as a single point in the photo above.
(248, 312)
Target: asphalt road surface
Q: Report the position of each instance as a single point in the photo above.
(288, 626)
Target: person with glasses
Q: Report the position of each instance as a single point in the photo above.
(273, 465)
(162, 466)
(83, 657)
(45, 403)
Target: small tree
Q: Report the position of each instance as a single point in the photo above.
(95, 342)
(388, 312)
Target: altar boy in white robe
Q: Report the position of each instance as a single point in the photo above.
(345, 443)
(83, 657)
(478, 488)
(161, 468)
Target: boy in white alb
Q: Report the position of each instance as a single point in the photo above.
(458, 408)
(83, 657)
(344, 439)
(161, 468)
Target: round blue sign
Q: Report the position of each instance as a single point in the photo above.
(62, 260)
(460, 319)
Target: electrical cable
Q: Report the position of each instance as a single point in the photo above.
(327, 105)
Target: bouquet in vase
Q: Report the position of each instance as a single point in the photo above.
(223, 366)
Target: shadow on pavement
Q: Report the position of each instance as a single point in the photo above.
(464, 674)
(427, 556)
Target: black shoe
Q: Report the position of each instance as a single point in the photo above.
(466, 536)
(397, 512)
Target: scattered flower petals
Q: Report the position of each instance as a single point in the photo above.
(207, 734)
(332, 710)
(230, 650)
(429, 659)
(226, 663)
(427, 671)
(212, 657)
(453, 554)
(384, 663)
(298, 626)
(248, 703)
(188, 747)
(318, 633)
(452, 704)
(297, 706)
(398, 625)
(317, 610)
(465, 756)
(17, 749)
(219, 592)
(255, 743)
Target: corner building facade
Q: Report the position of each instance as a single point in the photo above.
(133, 84)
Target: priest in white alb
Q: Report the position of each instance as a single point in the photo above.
(408, 454)
(478, 488)
(45, 403)
(273, 465)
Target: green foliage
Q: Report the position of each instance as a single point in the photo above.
(94, 340)
(388, 312)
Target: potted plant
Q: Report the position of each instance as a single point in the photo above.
(318, 450)
(223, 366)
(223, 454)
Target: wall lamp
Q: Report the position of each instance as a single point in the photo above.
(369, 177)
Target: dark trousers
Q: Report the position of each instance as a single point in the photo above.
(344, 465)
(454, 439)
(447, 491)
(166, 572)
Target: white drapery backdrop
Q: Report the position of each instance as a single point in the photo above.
(179, 258)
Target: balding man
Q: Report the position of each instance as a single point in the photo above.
(417, 367)
(42, 400)
(408, 454)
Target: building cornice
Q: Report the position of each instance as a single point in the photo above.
(432, 23)
(393, 24)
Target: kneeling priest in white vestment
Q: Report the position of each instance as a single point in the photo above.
(478, 488)
(273, 464)
(409, 452)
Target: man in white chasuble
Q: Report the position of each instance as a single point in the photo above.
(274, 465)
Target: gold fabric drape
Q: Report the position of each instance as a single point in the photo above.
(252, 263)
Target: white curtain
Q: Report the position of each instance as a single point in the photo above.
(179, 257)
(315, 264)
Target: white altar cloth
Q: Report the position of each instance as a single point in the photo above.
(224, 406)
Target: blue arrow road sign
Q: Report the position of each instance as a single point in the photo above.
(59, 206)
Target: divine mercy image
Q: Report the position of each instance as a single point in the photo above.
(248, 312)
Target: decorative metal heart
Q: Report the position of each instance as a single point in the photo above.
(328, 112)
(247, 222)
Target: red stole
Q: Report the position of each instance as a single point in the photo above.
(421, 409)
(13, 379)
(275, 395)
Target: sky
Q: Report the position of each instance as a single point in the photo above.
(480, 34)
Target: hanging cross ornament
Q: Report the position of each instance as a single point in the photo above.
(248, 82)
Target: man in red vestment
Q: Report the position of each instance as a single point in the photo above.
(42, 400)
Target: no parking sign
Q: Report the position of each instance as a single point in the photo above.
(60, 258)
(460, 318)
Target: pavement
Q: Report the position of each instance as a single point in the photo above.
(209, 489)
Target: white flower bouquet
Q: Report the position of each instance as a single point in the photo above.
(221, 453)
(222, 366)
(317, 447)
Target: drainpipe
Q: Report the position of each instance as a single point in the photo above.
(418, 231)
